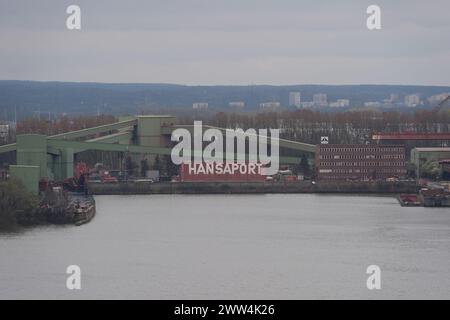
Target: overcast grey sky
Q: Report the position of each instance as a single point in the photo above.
(227, 42)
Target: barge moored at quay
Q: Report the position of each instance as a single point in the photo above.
(427, 197)
(58, 206)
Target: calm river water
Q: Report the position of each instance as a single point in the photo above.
(235, 247)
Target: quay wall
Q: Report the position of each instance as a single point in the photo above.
(128, 188)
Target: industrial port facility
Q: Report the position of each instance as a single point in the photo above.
(376, 167)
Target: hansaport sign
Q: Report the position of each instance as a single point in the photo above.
(217, 171)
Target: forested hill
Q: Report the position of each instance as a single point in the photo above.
(28, 98)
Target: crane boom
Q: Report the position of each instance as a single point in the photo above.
(441, 104)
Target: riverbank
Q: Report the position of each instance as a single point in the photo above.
(144, 187)
(20, 208)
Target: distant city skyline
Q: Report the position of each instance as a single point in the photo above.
(199, 42)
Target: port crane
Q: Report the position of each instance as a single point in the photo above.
(441, 104)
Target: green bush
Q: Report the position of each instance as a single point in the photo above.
(14, 198)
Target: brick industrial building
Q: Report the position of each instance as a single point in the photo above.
(360, 162)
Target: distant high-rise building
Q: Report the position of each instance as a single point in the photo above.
(320, 99)
(4, 131)
(269, 105)
(294, 99)
(200, 105)
(236, 104)
(393, 98)
(412, 100)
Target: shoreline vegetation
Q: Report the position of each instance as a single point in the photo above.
(20, 208)
(15, 200)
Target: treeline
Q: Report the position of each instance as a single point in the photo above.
(302, 125)
(62, 124)
(343, 127)
(291, 123)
